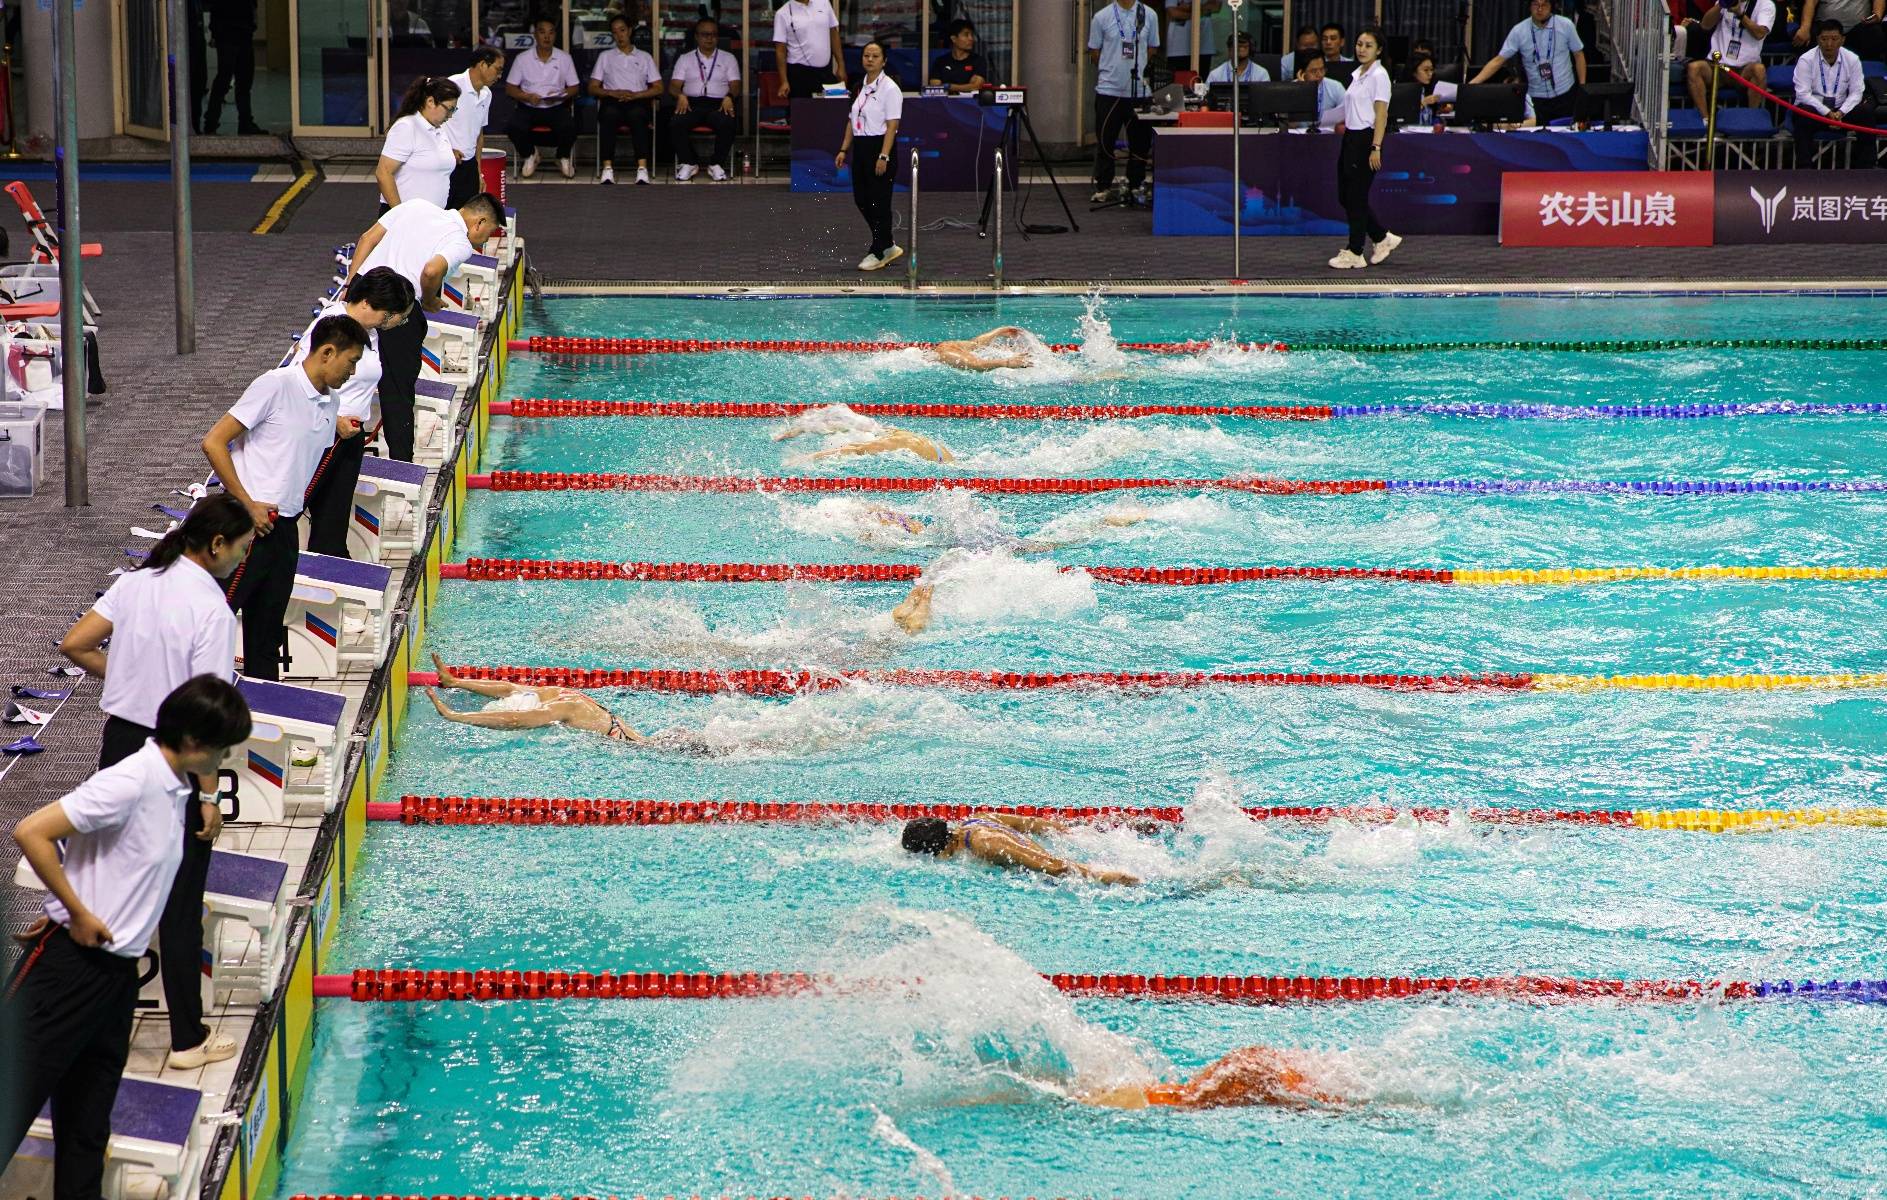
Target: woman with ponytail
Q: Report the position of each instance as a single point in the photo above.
(169, 623)
(417, 160)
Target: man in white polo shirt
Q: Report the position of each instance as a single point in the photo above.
(265, 450)
(702, 84)
(465, 128)
(543, 81)
(625, 82)
(424, 244)
(66, 1009)
(1737, 29)
(806, 49)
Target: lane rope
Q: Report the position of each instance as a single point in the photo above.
(543, 344)
(538, 569)
(603, 481)
(565, 810)
(548, 407)
(407, 985)
(755, 682)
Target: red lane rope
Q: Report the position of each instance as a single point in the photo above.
(542, 344)
(502, 569)
(787, 683)
(602, 481)
(563, 810)
(977, 412)
(409, 985)
(1775, 99)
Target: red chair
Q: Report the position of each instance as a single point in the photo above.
(45, 238)
(771, 118)
(1186, 79)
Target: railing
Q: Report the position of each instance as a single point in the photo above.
(996, 267)
(910, 266)
(1637, 38)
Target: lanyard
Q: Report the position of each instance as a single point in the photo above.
(706, 72)
(862, 103)
(1552, 35)
(1840, 68)
(1125, 33)
(1244, 73)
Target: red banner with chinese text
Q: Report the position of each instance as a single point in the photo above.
(1607, 208)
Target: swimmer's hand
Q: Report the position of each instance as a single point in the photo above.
(791, 431)
(438, 702)
(1120, 878)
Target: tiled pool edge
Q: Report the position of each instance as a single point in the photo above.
(245, 1159)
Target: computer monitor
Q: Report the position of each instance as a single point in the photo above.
(1405, 103)
(1485, 105)
(1339, 70)
(1606, 103)
(1281, 101)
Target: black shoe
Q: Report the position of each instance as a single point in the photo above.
(251, 129)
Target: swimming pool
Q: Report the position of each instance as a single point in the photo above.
(956, 1084)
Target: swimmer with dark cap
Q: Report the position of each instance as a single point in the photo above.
(547, 706)
(1004, 840)
(1248, 1076)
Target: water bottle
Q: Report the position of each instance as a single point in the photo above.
(746, 163)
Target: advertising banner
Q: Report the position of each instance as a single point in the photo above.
(1758, 207)
(1607, 208)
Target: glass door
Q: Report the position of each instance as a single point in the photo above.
(143, 75)
(335, 68)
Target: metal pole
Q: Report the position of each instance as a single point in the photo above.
(910, 266)
(996, 269)
(1192, 30)
(923, 43)
(1238, 137)
(1015, 44)
(180, 177)
(752, 98)
(71, 285)
(1710, 134)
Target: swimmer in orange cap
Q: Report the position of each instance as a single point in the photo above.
(1250, 1075)
(546, 706)
(1004, 840)
(964, 355)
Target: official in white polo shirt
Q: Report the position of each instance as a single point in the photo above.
(542, 82)
(1551, 56)
(1737, 29)
(465, 129)
(416, 160)
(265, 450)
(424, 244)
(806, 49)
(871, 139)
(626, 83)
(381, 301)
(702, 84)
(1365, 125)
(1828, 82)
(67, 1007)
(168, 623)
(1121, 39)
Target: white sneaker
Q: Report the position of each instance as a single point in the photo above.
(528, 167)
(608, 175)
(567, 168)
(215, 1048)
(685, 172)
(642, 176)
(717, 173)
(1348, 259)
(1101, 195)
(890, 256)
(1384, 248)
(871, 262)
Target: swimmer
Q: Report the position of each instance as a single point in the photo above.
(1004, 840)
(964, 356)
(914, 524)
(1248, 1076)
(888, 439)
(555, 706)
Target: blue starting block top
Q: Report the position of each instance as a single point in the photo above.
(433, 389)
(151, 1112)
(294, 703)
(458, 319)
(246, 877)
(392, 471)
(483, 261)
(343, 572)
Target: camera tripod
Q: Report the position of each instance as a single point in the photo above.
(1014, 124)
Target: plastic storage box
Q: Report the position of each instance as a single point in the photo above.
(22, 446)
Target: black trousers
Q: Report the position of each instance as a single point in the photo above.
(399, 372)
(199, 64)
(1554, 108)
(235, 61)
(804, 82)
(705, 112)
(180, 929)
(259, 590)
(331, 496)
(638, 115)
(1111, 115)
(65, 1032)
(560, 120)
(1354, 178)
(1805, 131)
(464, 184)
(872, 191)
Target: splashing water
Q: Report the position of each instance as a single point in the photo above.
(886, 1130)
(990, 587)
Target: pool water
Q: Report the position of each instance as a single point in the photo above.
(960, 1082)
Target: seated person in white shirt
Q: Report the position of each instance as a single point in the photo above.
(1438, 98)
(1827, 81)
(625, 82)
(541, 82)
(1310, 69)
(702, 84)
(1238, 66)
(1737, 29)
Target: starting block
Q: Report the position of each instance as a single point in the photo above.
(504, 245)
(435, 416)
(155, 1130)
(289, 723)
(386, 499)
(338, 617)
(450, 352)
(474, 287)
(243, 896)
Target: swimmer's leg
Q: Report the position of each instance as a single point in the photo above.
(531, 718)
(496, 689)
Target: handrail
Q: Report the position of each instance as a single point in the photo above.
(996, 267)
(1710, 134)
(910, 265)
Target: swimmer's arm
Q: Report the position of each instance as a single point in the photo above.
(1030, 824)
(530, 718)
(1034, 858)
(995, 335)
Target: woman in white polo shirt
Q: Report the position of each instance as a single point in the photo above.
(1365, 125)
(871, 136)
(417, 160)
(168, 623)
